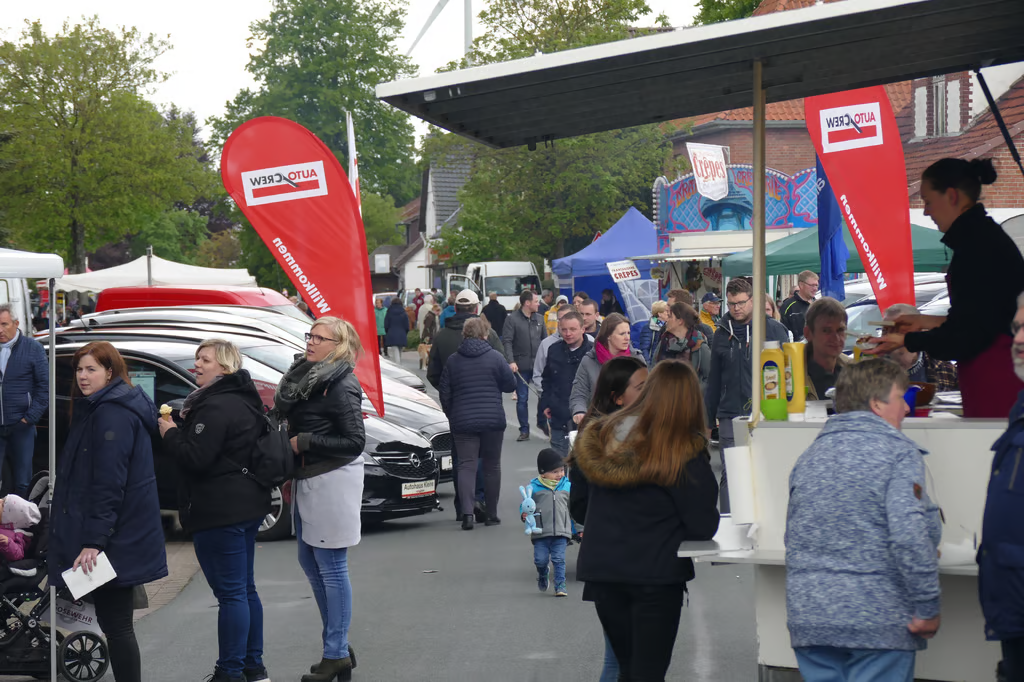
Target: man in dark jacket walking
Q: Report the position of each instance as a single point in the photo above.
(794, 308)
(728, 392)
(524, 330)
(559, 371)
(495, 313)
(24, 395)
(1000, 572)
(449, 339)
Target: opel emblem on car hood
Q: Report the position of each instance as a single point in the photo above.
(414, 459)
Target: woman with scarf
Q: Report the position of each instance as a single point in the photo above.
(220, 505)
(612, 342)
(683, 340)
(321, 399)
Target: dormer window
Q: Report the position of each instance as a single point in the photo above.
(939, 114)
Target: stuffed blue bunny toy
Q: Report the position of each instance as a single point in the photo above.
(529, 508)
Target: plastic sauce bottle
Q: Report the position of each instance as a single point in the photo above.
(773, 386)
(796, 392)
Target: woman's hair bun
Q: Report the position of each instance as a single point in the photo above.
(984, 170)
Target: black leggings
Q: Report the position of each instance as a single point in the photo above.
(641, 622)
(114, 612)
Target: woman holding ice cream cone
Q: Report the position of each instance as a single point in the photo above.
(220, 505)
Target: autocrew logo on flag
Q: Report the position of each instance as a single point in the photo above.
(851, 127)
(284, 183)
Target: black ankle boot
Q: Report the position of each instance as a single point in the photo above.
(467, 522)
(329, 669)
(351, 654)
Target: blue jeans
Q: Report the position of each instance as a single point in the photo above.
(226, 556)
(553, 550)
(327, 572)
(19, 439)
(831, 664)
(560, 441)
(610, 672)
(522, 396)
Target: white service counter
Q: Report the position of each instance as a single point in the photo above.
(958, 464)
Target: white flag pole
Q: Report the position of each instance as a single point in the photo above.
(353, 163)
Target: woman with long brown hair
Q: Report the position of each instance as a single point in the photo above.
(651, 488)
(116, 513)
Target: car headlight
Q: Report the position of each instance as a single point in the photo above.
(370, 459)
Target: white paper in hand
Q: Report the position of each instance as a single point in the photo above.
(81, 584)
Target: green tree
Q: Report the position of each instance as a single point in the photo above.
(221, 250)
(379, 220)
(714, 11)
(175, 235)
(93, 160)
(520, 204)
(320, 59)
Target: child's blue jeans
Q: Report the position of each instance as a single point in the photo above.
(553, 550)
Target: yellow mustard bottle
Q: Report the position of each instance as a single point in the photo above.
(796, 373)
(773, 386)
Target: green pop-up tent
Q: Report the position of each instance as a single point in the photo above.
(798, 252)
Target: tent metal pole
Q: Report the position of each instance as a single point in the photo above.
(52, 438)
(149, 266)
(758, 320)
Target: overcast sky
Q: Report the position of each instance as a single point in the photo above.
(209, 56)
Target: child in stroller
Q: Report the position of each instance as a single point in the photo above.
(25, 599)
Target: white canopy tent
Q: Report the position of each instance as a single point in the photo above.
(154, 271)
(27, 265)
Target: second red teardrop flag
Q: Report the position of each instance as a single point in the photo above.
(294, 192)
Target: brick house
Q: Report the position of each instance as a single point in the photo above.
(944, 116)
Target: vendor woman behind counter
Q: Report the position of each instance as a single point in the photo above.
(985, 275)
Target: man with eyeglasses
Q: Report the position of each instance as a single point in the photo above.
(729, 389)
(794, 308)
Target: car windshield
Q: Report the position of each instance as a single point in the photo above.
(511, 285)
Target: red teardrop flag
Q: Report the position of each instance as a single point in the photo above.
(294, 192)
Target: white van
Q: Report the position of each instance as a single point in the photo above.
(506, 278)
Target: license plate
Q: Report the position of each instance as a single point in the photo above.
(417, 489)
(446, 463)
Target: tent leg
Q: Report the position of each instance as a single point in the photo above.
(758, 319)
(51, 433)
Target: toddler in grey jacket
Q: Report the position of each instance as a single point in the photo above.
(550, 492)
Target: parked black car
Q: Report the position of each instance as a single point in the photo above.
(401, 470)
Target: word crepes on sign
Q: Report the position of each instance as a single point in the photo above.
(623, 270)
(284, 183)
(708, 162)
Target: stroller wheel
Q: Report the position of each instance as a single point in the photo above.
(83, 657)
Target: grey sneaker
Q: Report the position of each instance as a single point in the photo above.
(256, 674)
(560, 590)
(542, 581)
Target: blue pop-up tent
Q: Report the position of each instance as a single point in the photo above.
(586, 270)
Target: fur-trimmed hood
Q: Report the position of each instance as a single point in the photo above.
(617, 468)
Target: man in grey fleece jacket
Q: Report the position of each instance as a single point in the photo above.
(862, 577)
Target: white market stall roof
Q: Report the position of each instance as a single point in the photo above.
(821, 49)
(165, 272)
(28, 265)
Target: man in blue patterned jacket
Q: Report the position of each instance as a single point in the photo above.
(862, 537)
(24, 395)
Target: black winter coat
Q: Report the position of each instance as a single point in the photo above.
(471, 386)
(25, 388)
(447, 342)
(396, 325)
(216, 440)
(794, 314)
(329, 425)
(496, 315)
(559, 373)
(634, 528)
(105, 493)
(727, 393)
(980, 307)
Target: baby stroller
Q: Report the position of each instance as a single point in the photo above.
(82, 655)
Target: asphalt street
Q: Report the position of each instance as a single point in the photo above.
(434, 602)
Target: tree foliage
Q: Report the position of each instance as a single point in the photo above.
(92, 159)
(175, 235)
(379, 219)
(320, 59)
(222, 250)
(520, 204)
(714, 11)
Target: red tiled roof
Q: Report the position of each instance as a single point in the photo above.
(410, 210)
(900, 95)
(978, 140)
(771, 6)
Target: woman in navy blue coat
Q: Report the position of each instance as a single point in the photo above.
(471, 386)
(396, 328)
(105, 497)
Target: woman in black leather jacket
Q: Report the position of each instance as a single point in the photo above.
(321, 398)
